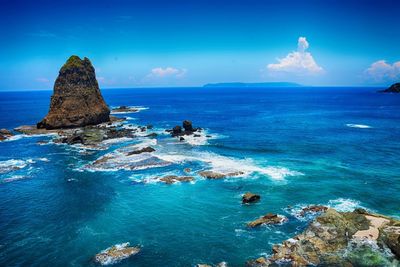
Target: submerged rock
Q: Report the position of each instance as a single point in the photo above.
(76, 100)
(250, 198)
(394, 88)
(116, 253)
(269, 218)
(218, 175)
(147, 149)
(171, 179)
(340, 239)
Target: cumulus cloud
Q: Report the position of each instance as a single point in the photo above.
(167, 72)
(381, 71)
(298, 62)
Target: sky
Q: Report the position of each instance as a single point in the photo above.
(191, 43)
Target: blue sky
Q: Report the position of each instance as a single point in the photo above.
(190, 43)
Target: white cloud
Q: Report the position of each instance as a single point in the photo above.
(380, 71)
(298, 62)
(167, 72)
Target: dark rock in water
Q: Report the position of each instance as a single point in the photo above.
(115, 254)
(152, 135)
(76, 100)
(149, 127)
(187, 170)
(171, 179)
(4, 134)
(124, 109)
(142, 150)
(331, 237)
(176, 130)
(187, 125)
(181, 139)
(313, 209)
(217, 175)
(267, 219)
(250, 198)
(394, 88)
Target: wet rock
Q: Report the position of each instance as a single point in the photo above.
(4, 134)
(313, 209)
(76, 100)
(260, 262)
(171, 179)
(152, 135)
(250, 198)
(141, 150)
(218, 175)
(187, 125)
(394, 88)
(116, 254)
(176, 130)
(181, 139)
(149, 127)
(329, 236)
(221, 264)
(267, 219)
(187, 170)
(124, 109)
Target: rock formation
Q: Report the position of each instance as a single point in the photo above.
(116, 253)
(335, 238)
(4, 134)
(267, 219)
(394, 88)
(76, 100)
(250, 198)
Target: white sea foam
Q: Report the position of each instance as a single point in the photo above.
(14, 178)
(361, 126)
(344, 204)
(13, 164)
(223, 164)
(21, 136)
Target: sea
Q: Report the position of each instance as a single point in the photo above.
(334, 146)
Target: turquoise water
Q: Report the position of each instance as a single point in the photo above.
(298, 146)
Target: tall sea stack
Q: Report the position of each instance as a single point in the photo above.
(76, 100)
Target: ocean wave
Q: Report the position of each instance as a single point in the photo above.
(13, 165)
(14, 178)
(361, 126)
(223, 164)
(22, 136)
(345, 204)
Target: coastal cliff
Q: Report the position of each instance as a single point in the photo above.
(76, 99)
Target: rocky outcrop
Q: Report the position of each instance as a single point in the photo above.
(4, 134)
(147, 149)
(313, 209)
(394, 88)
(124, 109)
(250, 198)
(116, 253)
(219, 175)
(340, 239)
(171, 179)
(267, 219)
(76, 99)
(186, 129)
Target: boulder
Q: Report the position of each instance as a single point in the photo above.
(4, 134)
(171, 179)
(187, 125)
(394, 88)
(250, 198)
(176, 130)
(76, 99)
(267, 219)
(141, 150)
(313, 209)
(217, 175)
(115, 254)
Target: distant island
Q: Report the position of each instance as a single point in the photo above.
(266, 84)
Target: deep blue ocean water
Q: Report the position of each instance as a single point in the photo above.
(298, 146)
